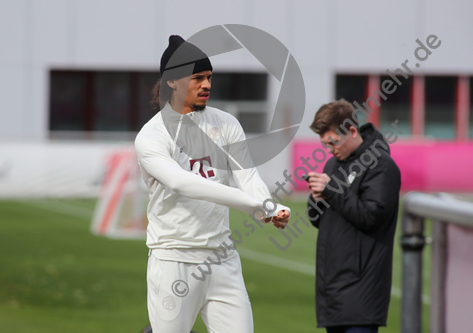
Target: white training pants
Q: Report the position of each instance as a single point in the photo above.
(175, 297)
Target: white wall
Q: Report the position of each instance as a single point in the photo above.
(61, 169)
(325, 37)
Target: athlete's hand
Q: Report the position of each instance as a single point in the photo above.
(282, 219)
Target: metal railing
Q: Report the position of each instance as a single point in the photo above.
(441, 209)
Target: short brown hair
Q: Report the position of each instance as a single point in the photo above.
(332, 116)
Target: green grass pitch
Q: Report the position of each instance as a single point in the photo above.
(55, 276)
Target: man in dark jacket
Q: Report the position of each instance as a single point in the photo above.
(361, 185)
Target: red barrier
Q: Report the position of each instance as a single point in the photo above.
(425, 165)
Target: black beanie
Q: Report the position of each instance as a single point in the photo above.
(180, 53)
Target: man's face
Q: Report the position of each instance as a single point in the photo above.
(341, 148)
(194, 90)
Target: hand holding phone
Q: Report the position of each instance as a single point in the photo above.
(318, 183)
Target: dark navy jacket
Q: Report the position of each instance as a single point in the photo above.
(356, 235)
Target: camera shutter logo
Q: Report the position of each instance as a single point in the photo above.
(277, 60)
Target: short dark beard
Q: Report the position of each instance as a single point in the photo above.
(197, 107)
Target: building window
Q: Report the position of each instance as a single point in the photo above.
(112, 101)
(100, 101)
(67, 102)
(352, 88)
(436, 106)
(145, 83)
(119, 101)
(440, 106)
(243, 95)
(239, 86)
(397, 105)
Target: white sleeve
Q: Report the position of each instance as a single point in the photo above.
(155, 158)
(247, 179)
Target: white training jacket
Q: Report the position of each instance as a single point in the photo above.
(188, 211)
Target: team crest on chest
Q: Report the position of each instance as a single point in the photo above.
(351, 177)
(214, 133)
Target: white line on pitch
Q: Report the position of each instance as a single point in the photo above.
(276, 261)
(269, 259)
(300, 267)
(61, 207)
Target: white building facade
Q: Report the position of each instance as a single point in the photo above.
(330, 41)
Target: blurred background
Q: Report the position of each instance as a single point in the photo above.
(75, 86)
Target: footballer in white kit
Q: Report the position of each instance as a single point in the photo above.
(184, 153)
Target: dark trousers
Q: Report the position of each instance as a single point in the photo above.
(352, 329)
